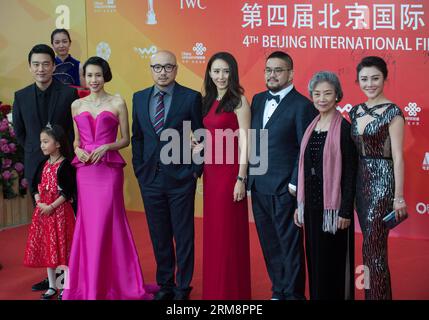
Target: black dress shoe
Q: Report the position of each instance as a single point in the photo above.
(42, 285)
(49, 296)
(164, 295)
(277, 296)
(181, 296)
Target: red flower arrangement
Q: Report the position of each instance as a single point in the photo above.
(11, 155)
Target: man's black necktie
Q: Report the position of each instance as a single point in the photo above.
(272, 96)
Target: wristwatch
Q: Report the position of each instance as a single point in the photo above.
(242, 179)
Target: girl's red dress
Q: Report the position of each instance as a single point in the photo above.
(50, 236)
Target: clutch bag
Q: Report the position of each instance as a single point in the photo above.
(390, 221)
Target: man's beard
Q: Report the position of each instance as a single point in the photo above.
(275, 88)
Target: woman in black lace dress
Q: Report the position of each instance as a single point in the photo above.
(326, 190)
(377, 130)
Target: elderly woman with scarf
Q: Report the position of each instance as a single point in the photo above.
(326, 190)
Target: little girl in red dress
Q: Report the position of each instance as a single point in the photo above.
(51, 230)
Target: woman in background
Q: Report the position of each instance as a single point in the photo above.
(68, 70)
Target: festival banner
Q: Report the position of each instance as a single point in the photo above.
(319, 35)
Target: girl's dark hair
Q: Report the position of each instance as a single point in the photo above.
(373, 61)
(232, 98)
(59, 31)
(57, 133)
(103, 64)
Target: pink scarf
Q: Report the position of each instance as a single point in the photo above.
(332, 167)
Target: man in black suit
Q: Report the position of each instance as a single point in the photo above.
(168, 189)
(45, 101)
(284, 114)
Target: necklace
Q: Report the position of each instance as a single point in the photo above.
(96, 105)
(322, 127)
(220, 96)
(52, 162)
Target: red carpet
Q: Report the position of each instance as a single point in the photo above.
(409, 264)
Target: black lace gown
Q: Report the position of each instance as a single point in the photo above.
(375, 190)
(330, 257)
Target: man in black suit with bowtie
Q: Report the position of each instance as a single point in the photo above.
(284, 114)
(45, 101)
(168, 189)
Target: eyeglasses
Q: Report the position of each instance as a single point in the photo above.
(277, 71)
(158, 67)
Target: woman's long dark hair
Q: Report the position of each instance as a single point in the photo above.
(57, 133)
(232, 98)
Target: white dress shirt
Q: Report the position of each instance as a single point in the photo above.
(271, 105)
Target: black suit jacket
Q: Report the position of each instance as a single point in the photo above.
(285, 130)
(28, 125)
(146, 144)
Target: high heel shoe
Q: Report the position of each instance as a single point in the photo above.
(47, 296)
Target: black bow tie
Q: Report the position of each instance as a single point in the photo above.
(275, 97)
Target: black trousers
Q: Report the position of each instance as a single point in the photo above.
(282, 243)
(169, 206)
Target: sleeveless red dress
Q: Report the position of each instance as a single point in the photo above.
(226, 250)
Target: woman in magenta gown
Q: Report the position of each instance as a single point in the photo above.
(104, 264)
(226, 252)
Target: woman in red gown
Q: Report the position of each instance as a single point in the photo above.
(226, 252)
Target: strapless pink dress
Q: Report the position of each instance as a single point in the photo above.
(104, 264)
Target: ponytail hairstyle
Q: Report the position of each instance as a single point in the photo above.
(57, 133)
